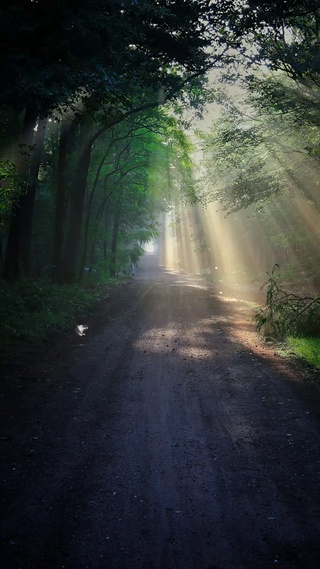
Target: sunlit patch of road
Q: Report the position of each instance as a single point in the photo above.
(163, 442)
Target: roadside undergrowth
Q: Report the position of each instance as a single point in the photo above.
(306, 348)
(292, 318)
(31, 310)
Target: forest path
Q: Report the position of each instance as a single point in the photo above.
(168, 438)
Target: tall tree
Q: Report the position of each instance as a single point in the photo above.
(88, 55)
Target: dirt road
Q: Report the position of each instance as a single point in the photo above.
(170, 437)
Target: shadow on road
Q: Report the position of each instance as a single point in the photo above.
(170, 437)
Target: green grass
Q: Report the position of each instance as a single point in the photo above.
(31, 310)
(306, 348)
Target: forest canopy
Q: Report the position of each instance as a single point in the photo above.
(93, 120)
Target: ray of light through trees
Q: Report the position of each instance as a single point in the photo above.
(103, 147)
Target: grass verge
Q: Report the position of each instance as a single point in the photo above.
(306, 348)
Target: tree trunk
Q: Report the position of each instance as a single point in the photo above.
(93, 248)
(76, 207)
(1, 255)
(105, 241)
(94, 240)
(97, 218)
(89, 208)
(105, 256)
(114, 242)
(61, 207)
(26, 245)
(14, 243)
(86, 231)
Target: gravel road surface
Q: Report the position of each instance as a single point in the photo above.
(169, 437)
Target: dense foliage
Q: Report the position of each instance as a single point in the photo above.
(262, 155)
(71, 71)
(92, 121)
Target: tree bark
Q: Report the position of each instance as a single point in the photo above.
(89, 208)
(36, 159)
(1, 255)
(105, 256)
(94, 241)
(67, 131)
(12, 261)
(76, 207)
(114, 241)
